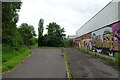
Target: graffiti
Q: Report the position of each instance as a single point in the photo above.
(104, 38)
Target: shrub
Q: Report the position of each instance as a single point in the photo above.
(33, 41)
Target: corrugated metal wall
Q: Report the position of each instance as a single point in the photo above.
(106, 16)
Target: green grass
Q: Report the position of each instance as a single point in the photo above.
(36, 45)
(67, 65)
(12, 58)
(7, 55)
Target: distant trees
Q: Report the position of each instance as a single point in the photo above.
(40, 32)
(54, 37)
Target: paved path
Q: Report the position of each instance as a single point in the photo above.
(43, 63)
(87, 66)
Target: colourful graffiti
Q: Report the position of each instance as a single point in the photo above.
(105, 38)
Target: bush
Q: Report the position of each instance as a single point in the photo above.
(33, 41)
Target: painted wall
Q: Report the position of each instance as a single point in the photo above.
(115, 27)
(100, 32)
(107, 37)
(102, 35)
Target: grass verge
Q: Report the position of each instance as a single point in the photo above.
(69, 76)
(12, 58)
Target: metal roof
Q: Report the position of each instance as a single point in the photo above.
(115, 0)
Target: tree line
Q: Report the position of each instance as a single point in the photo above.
(14, 37)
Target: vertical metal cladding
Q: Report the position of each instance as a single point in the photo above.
(102, 32)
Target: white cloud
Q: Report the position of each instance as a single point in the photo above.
(70, 14)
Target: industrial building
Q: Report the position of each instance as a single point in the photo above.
(102, 31)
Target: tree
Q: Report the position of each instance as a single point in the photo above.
(27, 33)
(40, 32)
(55, 35)
(9, 20)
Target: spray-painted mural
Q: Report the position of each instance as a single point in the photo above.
(107, 38)
(99, 37)
(116, 33)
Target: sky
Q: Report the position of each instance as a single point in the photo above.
(70, 14)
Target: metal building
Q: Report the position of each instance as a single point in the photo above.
(102, 31)
(108, 15)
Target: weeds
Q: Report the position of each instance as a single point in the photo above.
(111, 61)
(12, 58)
(69, 76)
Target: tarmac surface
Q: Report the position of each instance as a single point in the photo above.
(87, 66)
(43, 63)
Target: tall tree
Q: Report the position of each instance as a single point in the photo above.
(40, 32)
(55, 36)
(9, 20)
(27, 33)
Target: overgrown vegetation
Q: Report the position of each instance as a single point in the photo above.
(12, 58)
(15, 41)
(68, 42)
(68, 73)
(10, 35)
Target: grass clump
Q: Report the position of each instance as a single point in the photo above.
(12, 58)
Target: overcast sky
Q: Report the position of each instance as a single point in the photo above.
(70, 14)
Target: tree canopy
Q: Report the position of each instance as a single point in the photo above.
(27, 32)
(9, 19)
(14, 37)
(40, 32)
(55, 35)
